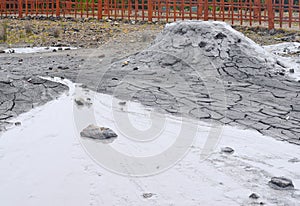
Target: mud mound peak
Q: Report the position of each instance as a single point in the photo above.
(215, 40)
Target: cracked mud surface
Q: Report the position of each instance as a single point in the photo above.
(211, 74)
(20, 94)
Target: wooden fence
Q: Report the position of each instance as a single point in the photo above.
(269, 13)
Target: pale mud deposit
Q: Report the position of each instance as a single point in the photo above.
(42, 162)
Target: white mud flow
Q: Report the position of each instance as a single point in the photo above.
(29, 50)
(45, 162)
(289, 54)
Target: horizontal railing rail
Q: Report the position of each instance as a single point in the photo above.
(268, 13)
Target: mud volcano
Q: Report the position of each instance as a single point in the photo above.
(209, 71)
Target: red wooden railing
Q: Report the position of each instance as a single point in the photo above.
(271, 13)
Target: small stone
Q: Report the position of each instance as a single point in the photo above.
(114, 78)
(67, 48)
(17, 123)
(79, 101)
(125, 63)
(272, 32)
(228, 150)
(2, 52)
(96, 132)
(54, 50)
(122, 103)
(202, 44)
(292, 70)
(147, 195)
(135, 69)
(281, 183)
(294, 160)
(59, 49)
(50, 68)
(254, 196)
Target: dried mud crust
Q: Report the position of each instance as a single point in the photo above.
(19, 94)
(210, 72)
(177, 75)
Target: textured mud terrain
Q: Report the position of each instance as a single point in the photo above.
(20, 93)
(21, 87)
(211, 72)
(197, 69)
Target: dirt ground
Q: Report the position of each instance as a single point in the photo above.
(89, 33)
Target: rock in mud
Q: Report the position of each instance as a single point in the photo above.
(122, 103)
(79, 101)
(82, 102)
(227, 150)
(254, 196)
(18, 123)
(294, 160)
(281, 183)
(96, 132)
(147, 195)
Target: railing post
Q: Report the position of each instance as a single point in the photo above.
(26, 7)
(99, 9)
(270, 14)
(291, 12)
(20, 7)
(150, 11)
(106, 4)
(257, 9)
(205, 10)
(199, 10)
(57, 8)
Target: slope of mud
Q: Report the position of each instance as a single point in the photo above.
(209, 71)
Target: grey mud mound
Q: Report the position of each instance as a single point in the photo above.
(209, 71)
(19, 94)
